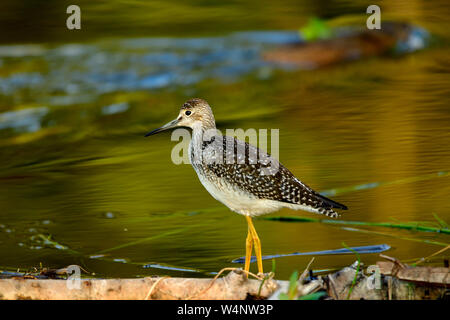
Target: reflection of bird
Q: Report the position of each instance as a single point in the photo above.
(241, 176)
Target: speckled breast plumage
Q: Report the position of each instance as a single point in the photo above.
(250, 185)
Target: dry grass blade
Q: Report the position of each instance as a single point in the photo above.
(305, 272)
(217, 276)
(332, 284)
(149, 294)
(432, 255)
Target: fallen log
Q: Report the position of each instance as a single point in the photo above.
(234, 286)
(392, 280)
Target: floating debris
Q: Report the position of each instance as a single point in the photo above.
(348, 44)
(43, 240)
(109, 215)
(97, 256)
(20, 51)
(28, 120)
(167, 267)
(115, 108)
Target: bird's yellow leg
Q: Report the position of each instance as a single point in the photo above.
(257, 244)
(248, 249)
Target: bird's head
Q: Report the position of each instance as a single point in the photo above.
(194, 113)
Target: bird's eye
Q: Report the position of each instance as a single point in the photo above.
(188, 113)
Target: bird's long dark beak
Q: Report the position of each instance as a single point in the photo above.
(167, 126)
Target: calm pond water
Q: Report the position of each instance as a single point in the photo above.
(79, 184)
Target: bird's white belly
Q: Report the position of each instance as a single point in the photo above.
(238, 200)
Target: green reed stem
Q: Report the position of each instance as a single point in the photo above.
(442, 244)
(405, 226)
(357, 270)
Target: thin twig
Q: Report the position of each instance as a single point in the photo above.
(432, 255)
(217, 276)
(305, 272)
(390, 288)
(394, 260)
(154, 286)
(333, 287)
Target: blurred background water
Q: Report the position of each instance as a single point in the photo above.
(80, 185)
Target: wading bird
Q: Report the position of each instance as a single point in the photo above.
(241, 176)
